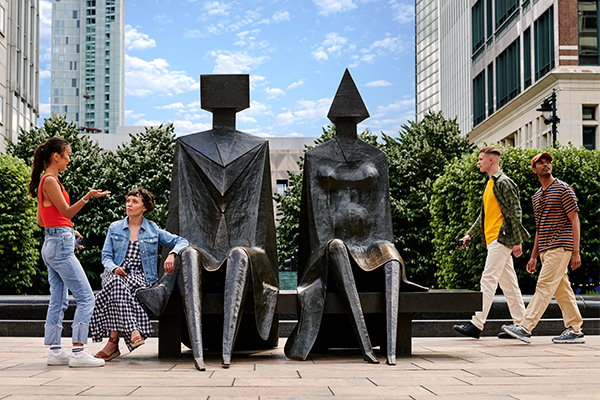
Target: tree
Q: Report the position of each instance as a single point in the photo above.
(456, 202)
(19, 237)
(416, 158)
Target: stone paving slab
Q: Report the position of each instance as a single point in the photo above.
(440, 368)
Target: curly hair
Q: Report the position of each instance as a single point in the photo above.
(146, 196)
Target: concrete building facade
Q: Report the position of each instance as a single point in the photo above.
(19, 68)
(88, 63)
(442, 60)
(531, 49)
(517, 53)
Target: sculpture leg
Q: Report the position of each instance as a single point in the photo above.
(311, 299)
(408, 286)
(342, 272)
(190, 285)
(237, 283)
(392, 301)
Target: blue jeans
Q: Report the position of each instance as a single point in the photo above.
(65, 272)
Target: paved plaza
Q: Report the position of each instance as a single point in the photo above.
(440, 368)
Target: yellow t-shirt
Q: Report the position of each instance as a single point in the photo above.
(493, 215)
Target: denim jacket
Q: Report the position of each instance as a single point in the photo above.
(149, 237)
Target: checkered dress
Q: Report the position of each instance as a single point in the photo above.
(117, 308)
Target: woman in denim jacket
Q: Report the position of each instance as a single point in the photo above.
(130, 257)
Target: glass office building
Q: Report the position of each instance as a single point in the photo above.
(88, 63)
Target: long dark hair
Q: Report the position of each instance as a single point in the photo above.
(41, 157)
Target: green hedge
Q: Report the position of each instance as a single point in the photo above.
(457, 198)
(18, 243)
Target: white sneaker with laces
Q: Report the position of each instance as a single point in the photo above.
(85, 359)
(61, 358)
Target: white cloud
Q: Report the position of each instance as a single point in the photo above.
(399, 105)
(227, 62)
(45, 30)
(403, 13)
(272, 93)
(327, 7)
(378, 83)
(144, 78)
(381, 48)
(187, 127)
(45, 74)
(193, 34)
(44, 110)
(216, 8)
(307, 110)
(296, 84)
(281, 16)
(135, 40)
(332, 45)
(163, 19)
(174, 106)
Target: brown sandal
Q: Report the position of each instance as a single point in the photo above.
(137, 341)
(108, 357)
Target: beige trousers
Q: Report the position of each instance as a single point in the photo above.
(553, 280)
(499, 269)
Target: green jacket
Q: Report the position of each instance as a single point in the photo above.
(512, 231)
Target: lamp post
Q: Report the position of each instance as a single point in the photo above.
(548, 110)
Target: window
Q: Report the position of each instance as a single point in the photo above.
(74, 82)
(504, 10)
(74, 14)
(479, 98)
(489, 18)
(106, 79)
(1, 108)
(588, 32)
(527, 58)
(477, 26)
(544, 43)
(588, 113)
(106, 106)
(589, 137)
(490, 89)
(2, 20)
(107, 115)
(107, 71)
(508, 75)
(281, 185)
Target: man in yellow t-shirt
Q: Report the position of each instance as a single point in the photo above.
(502, 234)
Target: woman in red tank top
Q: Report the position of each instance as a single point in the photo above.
(54, 212)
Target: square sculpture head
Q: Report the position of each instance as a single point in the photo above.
(225, 91)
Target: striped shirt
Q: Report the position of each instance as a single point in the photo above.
(551, 207)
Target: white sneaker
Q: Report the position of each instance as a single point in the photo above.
(85, 359)
(61, 358)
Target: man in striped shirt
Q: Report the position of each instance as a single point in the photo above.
(557, 243)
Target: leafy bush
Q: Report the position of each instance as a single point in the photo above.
(456, 202)
(18, 241)
(416, 158)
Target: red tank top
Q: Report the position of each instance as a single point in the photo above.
(51, 217)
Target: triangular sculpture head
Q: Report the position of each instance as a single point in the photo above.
(347, 105)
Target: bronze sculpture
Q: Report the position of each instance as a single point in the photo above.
(221, 202)
(345, 228)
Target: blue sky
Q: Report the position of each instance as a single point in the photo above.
(295, 52)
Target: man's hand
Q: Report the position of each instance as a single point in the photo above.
(517, 250)
(575, 260)
(531, 265)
